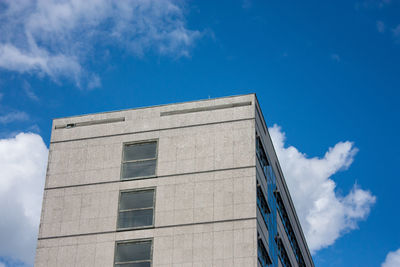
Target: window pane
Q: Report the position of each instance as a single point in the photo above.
(134, 251)
(138, 169)
(135, 218)
(139, 264)
(136, 199)
(140, 151)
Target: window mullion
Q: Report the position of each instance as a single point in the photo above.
(127, 210)
(138, 160)
(126, 262)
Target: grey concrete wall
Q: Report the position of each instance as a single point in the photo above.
(181, 150)
(150, 119)
(184, 199)
(215, 244)
(205, 187)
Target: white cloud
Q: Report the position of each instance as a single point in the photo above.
(380, 26)
(38, 60)
(23, 161)
(323, 213)
(392, 259)
(54, 38)
(13, 116)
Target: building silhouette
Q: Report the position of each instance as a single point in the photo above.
(187, 184)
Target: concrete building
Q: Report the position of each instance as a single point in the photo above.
(188, 184)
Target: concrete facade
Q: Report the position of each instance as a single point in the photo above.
(205, 184)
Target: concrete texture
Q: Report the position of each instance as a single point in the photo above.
(205, 186)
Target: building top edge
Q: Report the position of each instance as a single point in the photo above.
(146, 107)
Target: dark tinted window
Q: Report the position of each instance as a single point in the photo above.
(139, 160)
(136, 199)
(133, 254)
(140, 151)
(138, 169)
(135, 218)
(136, 209)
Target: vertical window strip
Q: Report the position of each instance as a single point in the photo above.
(269, 177)
(289, 230)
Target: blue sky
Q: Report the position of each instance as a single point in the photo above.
(325, 72)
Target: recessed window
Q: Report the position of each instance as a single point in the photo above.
(263, 257)
(282, 253)
(262, 204)
(139, 160)
(136, 209)
(133, 254)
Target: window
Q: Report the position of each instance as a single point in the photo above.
(263, 257)
(264, 162)
(261, 202)
(133, 254)
(136, 209)
(282, 253)
(261, 155)
(263, 206)
(139, 160)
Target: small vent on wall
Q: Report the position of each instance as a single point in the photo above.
(200, 109)
(87, 123)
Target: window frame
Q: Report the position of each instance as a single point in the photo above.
(124, 144)
(260, 241)
(153, 208)
(265, 219)
(282, 253)
(260, 189)
(142, 240)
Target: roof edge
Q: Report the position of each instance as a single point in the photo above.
(161, 105)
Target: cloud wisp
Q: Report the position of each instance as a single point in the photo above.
(335, 57)
(392, 259)
(29, 92)
(372, 4)
(13, 117)
(380, 26)
(396, 33)
(324, 215)
(55, 38)
(23, 161)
